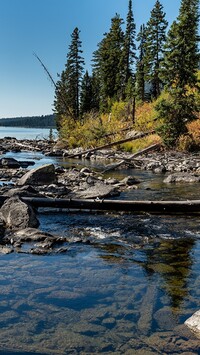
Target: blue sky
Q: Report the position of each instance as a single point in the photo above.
(45, 27)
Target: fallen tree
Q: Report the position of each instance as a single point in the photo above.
(158, 207)
(110, 167)
(137, 136)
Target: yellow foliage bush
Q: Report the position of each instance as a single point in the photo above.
(140, 144)
(191, 140)
(145, 117)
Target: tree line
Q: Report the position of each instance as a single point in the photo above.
(136, 67)
(44, 121)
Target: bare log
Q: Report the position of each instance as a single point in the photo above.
(144, 151)
(158, 207)
(137, 136)
(26, 146)
(110, 167)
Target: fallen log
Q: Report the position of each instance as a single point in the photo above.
(158, 207)
(144, 151)
(110, 167)
(137, 136)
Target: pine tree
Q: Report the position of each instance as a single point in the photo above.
(67, 93)
(129, 50)
(181, 59)
(179, 72)
(108, 66)
(88, 94)
(155, 40)
(140, 68)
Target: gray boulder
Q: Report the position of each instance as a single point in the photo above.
(17, 214)
(43, 175)
(99, 190)
(182, 178)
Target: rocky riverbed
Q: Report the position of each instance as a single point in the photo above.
(19, 222)
(111, 283)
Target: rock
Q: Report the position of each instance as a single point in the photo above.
(42, 175)
(5, 250)
(17, 214)
(30, 234)
(99, 190)
(26, 191)
(25, 164)
(165, 318)
(194, 323)
(10, 163)
(130, 180)
(188, 178)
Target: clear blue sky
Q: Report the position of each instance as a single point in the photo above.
(45, 27)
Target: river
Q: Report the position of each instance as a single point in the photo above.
(127, 290)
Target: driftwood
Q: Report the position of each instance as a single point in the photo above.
(110, 167)
(26, 146)
(144, 151)
(159, 207)
(137, 136)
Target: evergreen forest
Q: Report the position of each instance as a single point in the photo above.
(145, 79)
(46, 121)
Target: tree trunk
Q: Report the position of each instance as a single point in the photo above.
(158, 207)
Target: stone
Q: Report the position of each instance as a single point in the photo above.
(42, 175)
(194, 323)
(130, 180)
(17, 214)
(10, 163)
(99, 190)
(26, 191)
(31, 234)
(183, 178)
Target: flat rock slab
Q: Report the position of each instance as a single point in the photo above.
(194, 323)
(99, 190)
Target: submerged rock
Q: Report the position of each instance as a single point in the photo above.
(17, 214)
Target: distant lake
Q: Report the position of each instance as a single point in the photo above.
(26, 133)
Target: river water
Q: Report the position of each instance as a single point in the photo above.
(127, 288)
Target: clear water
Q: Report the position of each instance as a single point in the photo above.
(125, 285)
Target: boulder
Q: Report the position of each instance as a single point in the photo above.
(193, 323)
(17, 214)
(10, 163)
(182, 178)
(99, 190)
(43, 175)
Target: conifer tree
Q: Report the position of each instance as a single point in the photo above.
(67, 94)
(179, 72)
(140, 68)
(129, 49)
(108, 66)
(155, 40)
(88, 94)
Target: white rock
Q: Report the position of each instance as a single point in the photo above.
(194, 323)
